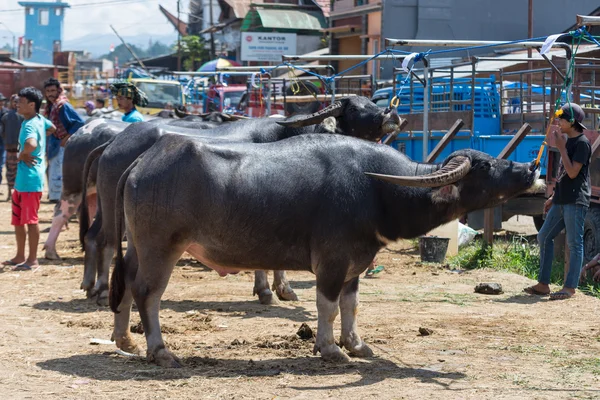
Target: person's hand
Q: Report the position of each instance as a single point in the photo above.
(547, 205)
(64, 140)
(589, 268)
(28, 159)
(560, 140)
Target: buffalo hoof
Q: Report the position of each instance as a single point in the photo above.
(360, 350)
(102, 299)
(127, 344)
(164, 358)
(332, 353)
(266, 297)
(51, 254)
(285, 293)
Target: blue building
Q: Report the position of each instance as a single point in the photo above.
(43, 30)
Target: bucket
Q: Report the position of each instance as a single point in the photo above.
(433, 248)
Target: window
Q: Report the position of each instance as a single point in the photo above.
(57, 12)
(44, 16)
(29, 11)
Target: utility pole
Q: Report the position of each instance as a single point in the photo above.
(178, 38)
(212, 34)
(14, 49)
(529, 54)
(129, 48)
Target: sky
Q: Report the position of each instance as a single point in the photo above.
(129, 17)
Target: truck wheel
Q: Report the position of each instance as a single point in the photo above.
(591, 234)
(306, 88)
(538, 221)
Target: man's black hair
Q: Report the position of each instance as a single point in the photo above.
(51, 82)
(32, 95)
(101, 101)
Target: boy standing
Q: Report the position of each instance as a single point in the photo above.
(568, 205)
(29, 182)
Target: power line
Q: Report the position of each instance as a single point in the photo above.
(99, 3)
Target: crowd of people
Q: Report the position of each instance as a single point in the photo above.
(32, 150)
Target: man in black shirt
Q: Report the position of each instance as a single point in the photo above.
(568, 205)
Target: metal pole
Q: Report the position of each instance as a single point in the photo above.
(338, 57)
(426, 112)
(179, 40)
(212, 35)
(529, 63)
(128, 48)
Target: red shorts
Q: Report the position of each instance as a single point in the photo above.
(25, 206)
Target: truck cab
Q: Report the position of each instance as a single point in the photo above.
(161, 94)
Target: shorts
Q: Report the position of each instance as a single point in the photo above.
(25, 206)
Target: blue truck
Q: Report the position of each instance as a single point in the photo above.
(488, 126)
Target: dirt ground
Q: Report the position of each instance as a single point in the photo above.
(510, 346)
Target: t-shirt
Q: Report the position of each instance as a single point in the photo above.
(577, 190)
(31, 178)
(133, 116)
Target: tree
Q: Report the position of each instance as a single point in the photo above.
(158, 49)
(123, 54)
(193, 48)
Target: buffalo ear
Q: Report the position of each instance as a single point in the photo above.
(445, 194)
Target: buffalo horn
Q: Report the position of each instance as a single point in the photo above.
(453, 171)
(333, 110)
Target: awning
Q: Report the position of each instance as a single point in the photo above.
(293, 20)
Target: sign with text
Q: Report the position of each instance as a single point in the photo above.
(258, 46)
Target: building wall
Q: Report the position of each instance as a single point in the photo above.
(349, 45)
(476, 20)
(43, 36)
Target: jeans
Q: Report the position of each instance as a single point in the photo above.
(2, 159)
(570, 217)
(55, 175)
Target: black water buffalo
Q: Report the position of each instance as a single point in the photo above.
(310, 202)
(93, 134)
(356, 115)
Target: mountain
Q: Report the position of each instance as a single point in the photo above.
(100, 44)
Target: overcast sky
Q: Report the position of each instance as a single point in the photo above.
(129, 17)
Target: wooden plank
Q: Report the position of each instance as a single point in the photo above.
(596, 148)
(445, 140)
(388, 140)
(488, 214)
(514, 142)
(438, 121)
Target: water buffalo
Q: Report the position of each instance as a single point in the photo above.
(88, 137)
(310, 202)
(356, 115)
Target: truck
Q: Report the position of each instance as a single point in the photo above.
(493, 105)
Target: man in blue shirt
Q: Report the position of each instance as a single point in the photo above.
(30, 178)
(67, 122)
(128, 96)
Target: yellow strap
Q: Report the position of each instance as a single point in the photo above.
(544, 143)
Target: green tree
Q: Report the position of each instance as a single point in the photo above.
(193, 48)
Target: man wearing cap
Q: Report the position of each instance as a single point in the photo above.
(67, 122)
(568, 205)
(128, 96)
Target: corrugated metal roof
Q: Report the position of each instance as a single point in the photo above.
(292, 19)
(499, 63)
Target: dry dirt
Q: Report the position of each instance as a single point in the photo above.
(510, 346)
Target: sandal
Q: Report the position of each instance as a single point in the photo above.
(24, 267)
(533, 290)
(560, 296)
(10, 262)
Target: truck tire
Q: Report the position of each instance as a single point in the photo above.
(591, 234)
(306, 88)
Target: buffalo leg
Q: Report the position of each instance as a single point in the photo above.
(154, 271)
(282, 287)
(261, 288)
(103, 266)
(349, 309)
(92, 238)
(121, 334)
(329, 287)
(92, 206)
(62, 212)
